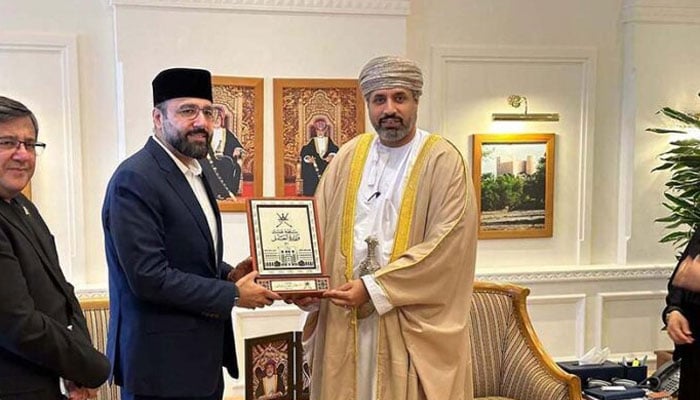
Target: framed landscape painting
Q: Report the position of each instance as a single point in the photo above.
(514, 181)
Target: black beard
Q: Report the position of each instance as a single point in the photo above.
(190, 149)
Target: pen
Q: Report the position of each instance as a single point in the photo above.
(373, 196)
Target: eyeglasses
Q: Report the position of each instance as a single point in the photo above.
(596, 383)
(191, 112)
(7, 144)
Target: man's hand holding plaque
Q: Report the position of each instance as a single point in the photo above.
(242, 269)
(285, 246)
(252, 295)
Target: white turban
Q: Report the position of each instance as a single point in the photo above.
(390, 72)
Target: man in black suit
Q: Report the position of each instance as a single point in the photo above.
(171, 294)
(43, 334)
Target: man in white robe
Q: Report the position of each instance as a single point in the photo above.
(411, 191)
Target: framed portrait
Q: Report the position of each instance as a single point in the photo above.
(270, 367)
(313, 118)
(514, 180)
(233, 166)
(285, 245)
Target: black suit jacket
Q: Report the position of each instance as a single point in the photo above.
(37, 306)
(170, 328)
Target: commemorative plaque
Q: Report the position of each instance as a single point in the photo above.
(285, 245)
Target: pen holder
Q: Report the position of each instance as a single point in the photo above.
(635, 373)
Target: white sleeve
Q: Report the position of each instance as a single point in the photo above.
(381, 302)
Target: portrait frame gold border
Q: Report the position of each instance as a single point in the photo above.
(254, 156)
(250, 344)
(281, 121)
(547, 139)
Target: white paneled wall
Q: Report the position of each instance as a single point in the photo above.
(469, 83)
(626, 323)
(560, 322)
(47, 64)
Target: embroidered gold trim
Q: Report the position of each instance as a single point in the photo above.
(348, 227)
(409, 199)
(356, 169)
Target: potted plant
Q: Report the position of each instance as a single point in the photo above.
(682, 192)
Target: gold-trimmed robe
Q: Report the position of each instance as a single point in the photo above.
(423, 343)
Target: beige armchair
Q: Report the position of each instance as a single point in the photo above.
(507, 357)
(96, 312)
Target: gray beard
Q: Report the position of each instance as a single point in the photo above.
(392, 135)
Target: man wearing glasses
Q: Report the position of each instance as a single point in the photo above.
(171, 293)
(43, 334)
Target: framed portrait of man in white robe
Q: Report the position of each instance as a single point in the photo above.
(313, 119)
(233, 167)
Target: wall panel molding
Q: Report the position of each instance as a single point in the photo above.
(375, 7)
(517, 275)
(593, 273)
(92, 293)
(661, 11)
(444, 56)
(61, 166)
(605, 302)
(576, 303)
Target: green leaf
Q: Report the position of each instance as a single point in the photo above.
(670, 218)
(673, 236)
(680, 116)
(664, 131)
(662, 167)
(682, 194)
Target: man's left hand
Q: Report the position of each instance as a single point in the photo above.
(242, 269)
(351, 294)
(79, 393)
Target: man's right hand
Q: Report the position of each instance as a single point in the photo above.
(678, 328)
(252, 295)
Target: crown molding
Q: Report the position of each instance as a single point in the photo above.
(91, 292)
(371, 7)
(510, 274)
(589, 273)
(661, 11)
